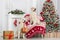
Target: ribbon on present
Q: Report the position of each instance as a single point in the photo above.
(9, 35)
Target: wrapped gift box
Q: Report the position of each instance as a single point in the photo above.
(8, 34)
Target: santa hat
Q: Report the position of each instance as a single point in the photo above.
(26, 15)
(48, 0)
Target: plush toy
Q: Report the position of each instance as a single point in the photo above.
(27, 19)
(34, 16)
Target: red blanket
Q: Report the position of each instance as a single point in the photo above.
(35, 30)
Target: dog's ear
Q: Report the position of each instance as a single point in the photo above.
(33, 9)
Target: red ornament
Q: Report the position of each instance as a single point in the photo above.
(42, 19)
(53, 12)
(15, 23)
(55, 25)
(48, 0)
(51, 23)
(41, 13)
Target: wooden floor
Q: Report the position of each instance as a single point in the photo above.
(52, 35)
(48, 36)
(36, 39)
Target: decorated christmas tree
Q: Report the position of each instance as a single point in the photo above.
(50, 16)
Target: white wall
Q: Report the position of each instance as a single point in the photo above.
(0, 16)
(20, 4)
(9, 5)
(25, 5)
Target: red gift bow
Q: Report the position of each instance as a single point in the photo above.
(35, 30)
(9, 35)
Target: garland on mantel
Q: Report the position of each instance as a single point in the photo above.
(17, 12)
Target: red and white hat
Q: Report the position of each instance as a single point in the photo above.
(26, 15)
(48, 0)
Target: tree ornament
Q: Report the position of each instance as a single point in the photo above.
(42, 19)
(53, 12)
(56, 25)
(41, 13)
